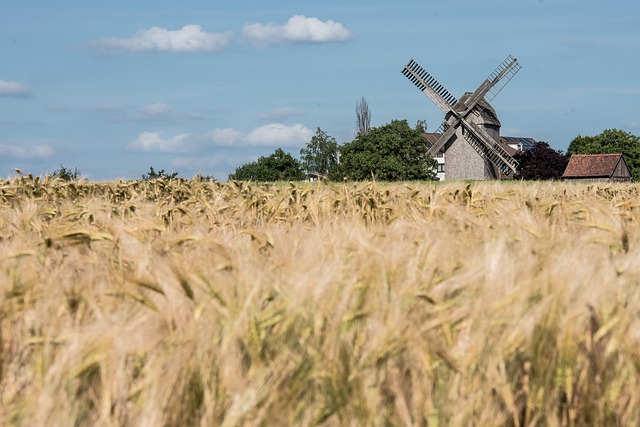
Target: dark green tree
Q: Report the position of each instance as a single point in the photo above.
(161, 174)
(66, 174)
(540, 162)
(278, 166)
(393, 152)
(608, 142)
(320, 154)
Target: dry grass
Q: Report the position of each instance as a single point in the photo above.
(184, 303)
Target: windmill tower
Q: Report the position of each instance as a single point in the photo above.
(470, 132)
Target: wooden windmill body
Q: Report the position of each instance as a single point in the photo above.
(470, 133)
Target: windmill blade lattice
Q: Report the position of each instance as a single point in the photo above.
(487, 148)
(501, 76)
(429, 86)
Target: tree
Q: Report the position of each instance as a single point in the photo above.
(204, 178)
(608, 142)
(66, 174)
(161, 174)
(278, 166)
(363, 116)
(320, 154)
(540, 162)
(421, 126)
(393, 152)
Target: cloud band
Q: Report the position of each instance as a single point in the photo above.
(272, 135)
(190, 38)
(299, 28)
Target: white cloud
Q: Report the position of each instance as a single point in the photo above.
(156, 110)
(14, 89)
(272, 135)
(226, 137)
(279, 135)
(190, 38)
(15, 152)
(102, 108)
(299, 28)
(152, 142)
(159, 112)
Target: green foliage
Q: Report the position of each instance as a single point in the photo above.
(278, 166)
(161, 174)
(608, 142)
(204, 178)
(541, 162)
(393, 152)
(66, 174)
(320, 154)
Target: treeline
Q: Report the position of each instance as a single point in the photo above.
(393, 152)
(397, 152)
(67, 174)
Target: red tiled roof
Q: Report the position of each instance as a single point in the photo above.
(592, 165)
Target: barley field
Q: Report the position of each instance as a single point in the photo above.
(186, 303)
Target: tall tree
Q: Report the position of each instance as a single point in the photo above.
(363, 116)
(421, 126)
(278, 166)
(393, 152)
(608, 142)
(320, 154)
(540, 162)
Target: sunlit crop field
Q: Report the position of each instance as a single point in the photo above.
(185, 303)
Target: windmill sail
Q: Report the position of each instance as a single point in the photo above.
(493, 84)
(501, 76)
(488, 148)
(447, 133)
(429, 86)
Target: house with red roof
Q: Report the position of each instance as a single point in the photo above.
(597, 167)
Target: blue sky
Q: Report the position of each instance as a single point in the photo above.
(205, 86)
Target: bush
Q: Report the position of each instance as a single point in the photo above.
(66, 174)
(161, 174)
(278, 166)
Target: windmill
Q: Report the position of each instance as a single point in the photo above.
(470, 133)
